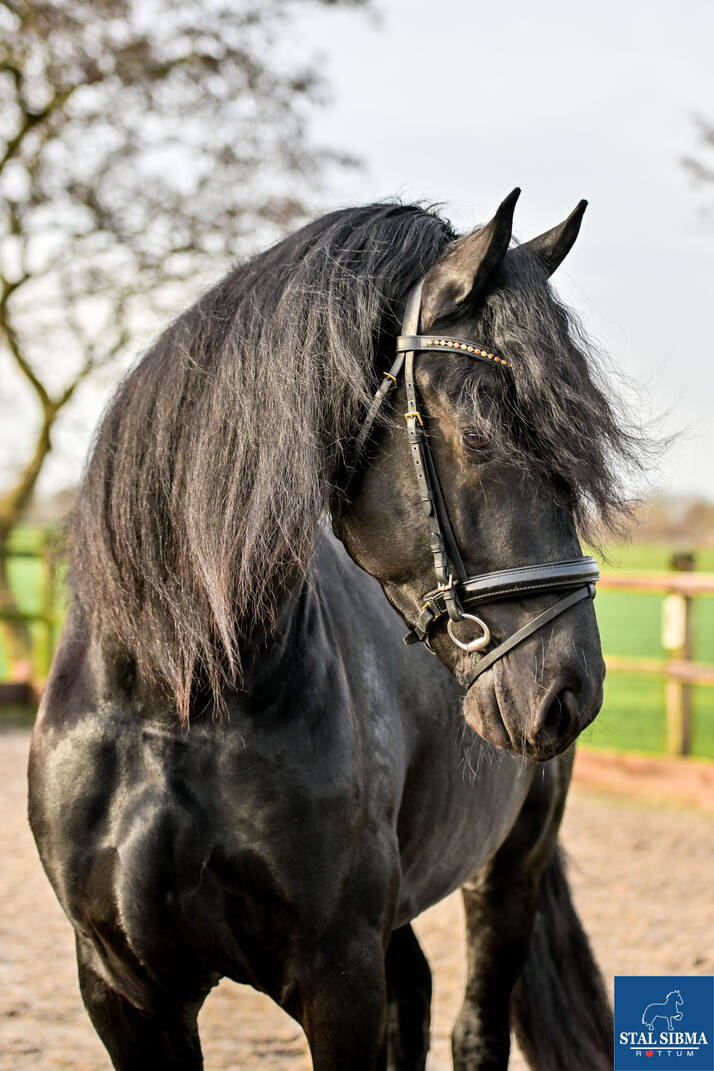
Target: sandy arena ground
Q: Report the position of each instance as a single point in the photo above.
(642, 879)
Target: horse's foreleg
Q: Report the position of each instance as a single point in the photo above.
(342, 1005)
(499, 919)
(136, 1041)
(500, 904)
(409, 996)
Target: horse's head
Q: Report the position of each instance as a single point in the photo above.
(519, 448)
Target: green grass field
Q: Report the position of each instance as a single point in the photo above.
(29, 583)
(632, 718)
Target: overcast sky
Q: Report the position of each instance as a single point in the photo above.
(459, 102)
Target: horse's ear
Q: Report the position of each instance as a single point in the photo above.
(553, 247)
(456, 282)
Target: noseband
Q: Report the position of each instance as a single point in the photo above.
(456, 593)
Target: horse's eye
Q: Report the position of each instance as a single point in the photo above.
(473, 441)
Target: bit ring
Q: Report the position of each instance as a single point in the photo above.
(480, 643)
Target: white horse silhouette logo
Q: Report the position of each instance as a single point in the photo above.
(671, 1010)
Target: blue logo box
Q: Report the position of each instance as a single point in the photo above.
(664, 1023)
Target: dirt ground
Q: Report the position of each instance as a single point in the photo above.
(642, 879)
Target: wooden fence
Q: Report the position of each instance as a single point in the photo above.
(45, 619)
(680, 587)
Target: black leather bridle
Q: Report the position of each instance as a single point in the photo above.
(456, 592)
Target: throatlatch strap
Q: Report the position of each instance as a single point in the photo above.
(390, 378)
(386, 387)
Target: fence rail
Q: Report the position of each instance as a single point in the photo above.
(680, 587)
(673, 583)
(687, 672)
(47, 615)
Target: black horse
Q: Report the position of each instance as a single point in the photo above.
(238, 768)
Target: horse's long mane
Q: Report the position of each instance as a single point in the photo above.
(223, 449)
(217, 458)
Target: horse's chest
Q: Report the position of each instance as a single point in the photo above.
(453, 821)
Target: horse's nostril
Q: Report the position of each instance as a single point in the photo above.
(558, 717)
(568, 710)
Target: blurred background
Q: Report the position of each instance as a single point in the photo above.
(147, 144)
(144, 145)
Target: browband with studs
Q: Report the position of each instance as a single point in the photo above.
(412, 343)
(405, 343)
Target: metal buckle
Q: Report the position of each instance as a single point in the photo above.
(448, 585)
(480, 643)
(416, 414)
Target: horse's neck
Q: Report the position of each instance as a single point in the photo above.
(269, 652)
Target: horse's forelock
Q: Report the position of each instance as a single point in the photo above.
(559, 416)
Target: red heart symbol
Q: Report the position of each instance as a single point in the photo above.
(648, 1052)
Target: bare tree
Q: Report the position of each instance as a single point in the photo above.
(701, 165)
(142, 142)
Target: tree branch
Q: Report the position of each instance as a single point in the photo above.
(31, 119)
(15, 348)
(133, 185)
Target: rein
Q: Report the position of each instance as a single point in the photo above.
(456, 592)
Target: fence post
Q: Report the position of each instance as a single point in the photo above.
(678, 639)
(45, 556)
(52, 560)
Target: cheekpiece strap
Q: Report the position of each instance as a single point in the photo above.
(444, 549)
